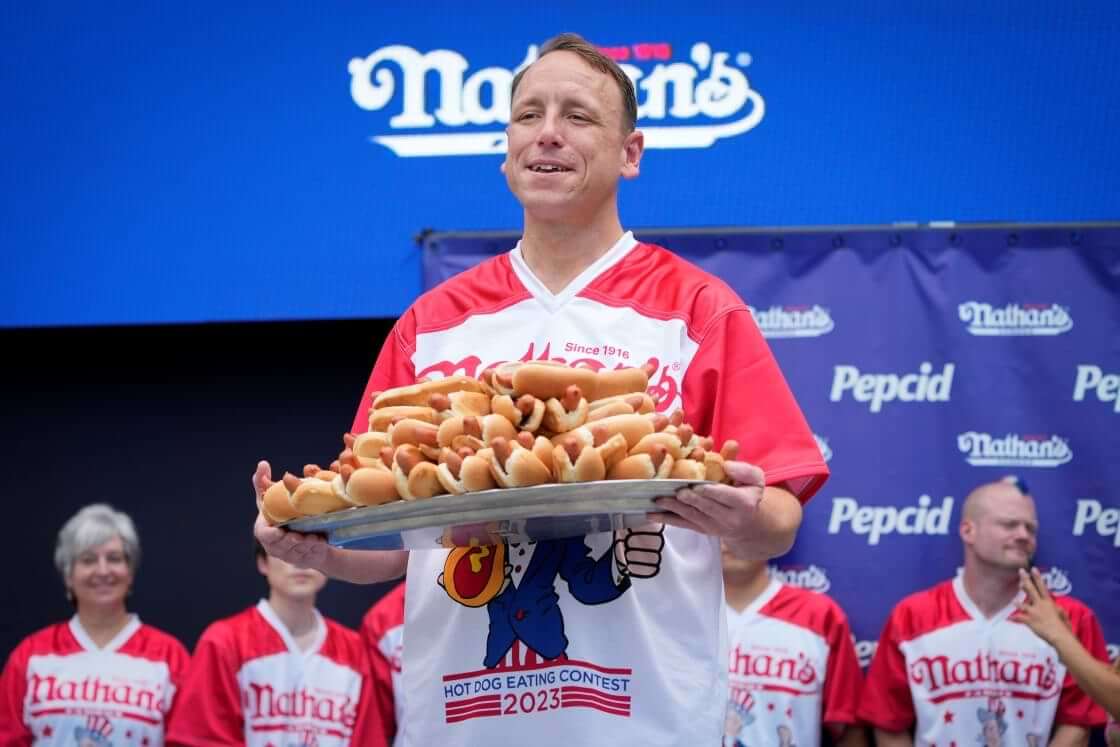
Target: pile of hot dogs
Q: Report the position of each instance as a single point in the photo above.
(517, 425)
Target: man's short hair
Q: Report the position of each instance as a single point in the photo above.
(590, 54)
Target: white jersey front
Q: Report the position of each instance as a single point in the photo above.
(792, 667)
(570, 652)
(251, 684)
(962, 678)
(60, 688)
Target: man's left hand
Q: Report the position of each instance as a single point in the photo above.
(726, 511)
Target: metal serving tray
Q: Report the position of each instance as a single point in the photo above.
(488, 517)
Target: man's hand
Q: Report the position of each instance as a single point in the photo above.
(301, 550)
(1038, 610)
(737, 513)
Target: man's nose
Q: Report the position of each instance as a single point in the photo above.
(549, 132)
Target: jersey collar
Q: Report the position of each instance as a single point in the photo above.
(552, 301)
(270, 616)
(119, 639)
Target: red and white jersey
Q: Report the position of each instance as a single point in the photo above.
(382, 633)
(792, 667)
(568, 652)
(251, 684)
(60, 688)
(965, 678)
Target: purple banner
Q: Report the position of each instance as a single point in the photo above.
(928, 361)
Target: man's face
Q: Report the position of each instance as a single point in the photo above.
(1003, 531)
(567, 149)
(285, 579)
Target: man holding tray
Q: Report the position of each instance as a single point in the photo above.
(604, 639)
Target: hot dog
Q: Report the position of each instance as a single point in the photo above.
(526, 413)
(514, 466)
(657, 464)
(464, 472)
(420, 394)
(381, 418)
(546, 380)
(566, 413)
(415, 477)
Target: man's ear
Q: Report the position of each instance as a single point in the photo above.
(502, 168)
(967, 531)
(632, 148)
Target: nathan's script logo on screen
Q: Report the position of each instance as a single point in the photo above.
(792, 321)
(877, 389)
(811, 577)
(687, 98)
(1012, 450)
(1091, 378)
(987, 320)
(877, 521)
(1092, 514)
(822, 444)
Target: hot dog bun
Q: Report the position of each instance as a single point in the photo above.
(420, 394)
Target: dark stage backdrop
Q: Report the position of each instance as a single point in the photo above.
(167, 423)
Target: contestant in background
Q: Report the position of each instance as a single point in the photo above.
(1051, 623)
(792, 666)
(101, 677)
(278, 673)
(382, 633)
(955, 665)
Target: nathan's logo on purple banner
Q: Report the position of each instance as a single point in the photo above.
(1091, 378)
(876, 389)
(688, 97)
(822, 444)
(878, 521)
(1093, 515)
(811, 577)
(1012, 450)
(1015, 319)
(792, 321)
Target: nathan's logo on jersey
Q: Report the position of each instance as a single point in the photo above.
(865, 651)
(792, 321)
(263, 701)
(1091, 378)
(702, 85)
(945, 678)
(1012, 450)
(880, 388)
(1015, 319)
(793, 671)
(45, 689)
(1091, 513)
(822, 444)
(664, 384)
(813, 577)
(877, 521)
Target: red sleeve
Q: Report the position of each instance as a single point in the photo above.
(369, 730)
(13, 690)
(394, 367)
(383, 616)
(178, 662)
(208, 709)
(886, 701)
(733, 389)
(1074, 706)
(843, 684)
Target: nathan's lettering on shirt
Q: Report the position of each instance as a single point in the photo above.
(263, 701)
(92, 690)
(938, 672)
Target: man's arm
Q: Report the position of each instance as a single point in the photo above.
(848, 735)
(1040, 613)
(893, 738)
(1068, 735)
(754, 519)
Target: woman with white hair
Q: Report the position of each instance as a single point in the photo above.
(102, 677)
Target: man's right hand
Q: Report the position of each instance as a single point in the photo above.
(301, 550)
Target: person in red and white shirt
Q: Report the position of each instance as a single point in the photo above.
(954, 664)
(102, 677)
(792, 664)
(614, 638)
(278, 674)
(382, 633)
